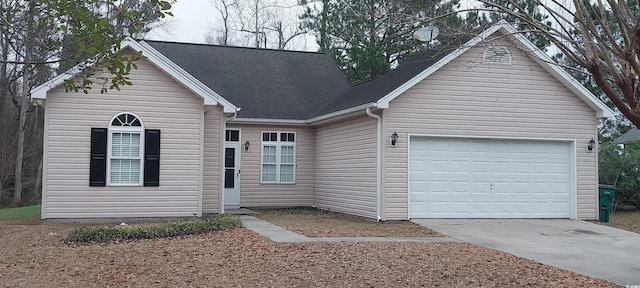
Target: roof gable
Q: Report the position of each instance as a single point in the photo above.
(382, 90)
(209, 96)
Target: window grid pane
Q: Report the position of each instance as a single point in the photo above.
(269, 173)
(286, 173)
(286, 155)
(269, 154)
(125, 171)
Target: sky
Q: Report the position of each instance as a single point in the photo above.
(193, 18)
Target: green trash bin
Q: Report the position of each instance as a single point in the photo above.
(606, 193)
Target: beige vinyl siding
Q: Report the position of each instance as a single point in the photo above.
(468, 98)
(255, 194)
(213, 127)
(346, 167)
(161, 103)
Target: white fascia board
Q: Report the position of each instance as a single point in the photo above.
(40, 92)
(210, 97)
(602, 110)
(267, 121)
(342, 112)
(384, 101)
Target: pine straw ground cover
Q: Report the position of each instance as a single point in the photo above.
(626, 220)
(319, 223)
(37, 256)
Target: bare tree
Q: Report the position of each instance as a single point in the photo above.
(602, 38)
(221, 36)
(257, 23)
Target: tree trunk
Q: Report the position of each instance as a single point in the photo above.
(24, 106)
(37, 189)
(17, 194)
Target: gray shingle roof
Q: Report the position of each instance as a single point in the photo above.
(631, 135)
(265, 83)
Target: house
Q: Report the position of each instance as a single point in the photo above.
(630, 136)
(488, 129)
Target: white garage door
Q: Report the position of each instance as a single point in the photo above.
(479, 178)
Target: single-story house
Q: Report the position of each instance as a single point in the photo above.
(488, 129)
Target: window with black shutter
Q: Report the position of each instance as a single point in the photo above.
(152, 157)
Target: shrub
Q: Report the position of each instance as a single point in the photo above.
(621, 168)
(154, 230)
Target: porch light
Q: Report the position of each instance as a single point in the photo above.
(591, 144)
(394, 139)
(246, 145)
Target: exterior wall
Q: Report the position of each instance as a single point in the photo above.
(346, 167)
(161, 103)
(255, 194)
(213, 141)
(468, 98)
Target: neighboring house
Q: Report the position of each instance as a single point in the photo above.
(487, 130)
(629, 136)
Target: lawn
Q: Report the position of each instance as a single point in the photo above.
(21, 215)
(319, 223)
(626, 219)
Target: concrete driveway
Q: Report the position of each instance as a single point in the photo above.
(586, 248)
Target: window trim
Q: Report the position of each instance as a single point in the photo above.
(278, 144)
(125, 129)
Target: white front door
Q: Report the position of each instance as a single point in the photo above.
(232, 170)
(482, 178)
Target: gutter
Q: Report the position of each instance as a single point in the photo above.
(341, 112)
(221, 180)
(378, 162)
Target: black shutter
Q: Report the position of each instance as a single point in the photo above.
(98, 163)
(151, 157)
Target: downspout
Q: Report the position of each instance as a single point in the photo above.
(221, 178)
(378, 162)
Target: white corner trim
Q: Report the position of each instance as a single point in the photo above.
(342, 112)
(602, 111)
(210, 97)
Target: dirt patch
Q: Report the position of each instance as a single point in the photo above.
(626, 220)
(318, 223)
(35, 256)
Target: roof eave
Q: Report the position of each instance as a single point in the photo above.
(268, 121)
(342, 112)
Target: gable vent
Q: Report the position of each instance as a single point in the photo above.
(499, 55)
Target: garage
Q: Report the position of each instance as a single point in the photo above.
(489, 178)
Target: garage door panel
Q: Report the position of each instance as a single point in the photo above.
(479, 178)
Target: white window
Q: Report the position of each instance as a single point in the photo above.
(124, 153)
(278, 157)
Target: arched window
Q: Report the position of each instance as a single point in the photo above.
(125, 150)
(499, 55)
